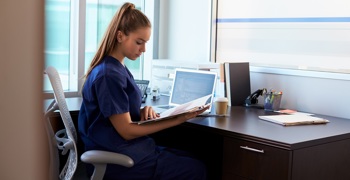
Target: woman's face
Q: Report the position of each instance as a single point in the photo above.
(133, 45)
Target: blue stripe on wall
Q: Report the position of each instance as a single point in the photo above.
(287, 20)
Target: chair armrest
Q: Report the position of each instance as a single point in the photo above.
(104, 157)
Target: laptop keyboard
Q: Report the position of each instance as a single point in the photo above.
(143, 87)
(165, 106)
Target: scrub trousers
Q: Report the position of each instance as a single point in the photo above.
(163, 164)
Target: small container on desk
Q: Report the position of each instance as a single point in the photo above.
(155, 93)
(272, 101)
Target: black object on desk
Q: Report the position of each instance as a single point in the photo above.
(258, 106)
(237, 82)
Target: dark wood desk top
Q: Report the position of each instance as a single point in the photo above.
(244, 123)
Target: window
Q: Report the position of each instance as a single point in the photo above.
(98, 15)
(73, 32)
(57, 23)
(298, 35)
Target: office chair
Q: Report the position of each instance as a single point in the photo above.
(66, 140)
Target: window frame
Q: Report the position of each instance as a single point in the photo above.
(77, 46)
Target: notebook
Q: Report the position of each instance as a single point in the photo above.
(189, 85)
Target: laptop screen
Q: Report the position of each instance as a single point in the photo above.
(189, 85)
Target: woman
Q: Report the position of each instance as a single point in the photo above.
(112, 101)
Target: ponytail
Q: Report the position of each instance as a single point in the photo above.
(127, 19)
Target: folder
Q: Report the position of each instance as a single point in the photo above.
(290, 120)
(192, 106)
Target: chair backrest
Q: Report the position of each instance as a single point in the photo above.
(54, 158)
(65, 139)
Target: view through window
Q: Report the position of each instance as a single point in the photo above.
(60, 24)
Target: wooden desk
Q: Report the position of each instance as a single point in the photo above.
(244, 147)
(257, 149)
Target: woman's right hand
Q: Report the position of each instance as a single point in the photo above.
(191, 115)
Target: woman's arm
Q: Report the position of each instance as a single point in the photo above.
(123, 124)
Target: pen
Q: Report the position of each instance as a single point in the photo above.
(272, 96)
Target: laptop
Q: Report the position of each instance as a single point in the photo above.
(189, 85)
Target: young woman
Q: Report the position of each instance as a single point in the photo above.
(112, 101)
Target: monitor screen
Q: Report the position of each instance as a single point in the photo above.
(189, 85)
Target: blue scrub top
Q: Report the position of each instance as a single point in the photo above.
(110, 89)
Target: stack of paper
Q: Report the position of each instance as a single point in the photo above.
(289, 120)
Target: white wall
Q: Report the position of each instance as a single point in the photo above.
(185, 30)
(315, 95)
(24, 151)
(183, 33)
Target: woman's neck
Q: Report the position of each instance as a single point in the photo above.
(118, 56)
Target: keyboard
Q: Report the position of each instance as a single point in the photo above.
(143, 85)
(165, 106)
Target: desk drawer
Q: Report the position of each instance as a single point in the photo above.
(248, 160)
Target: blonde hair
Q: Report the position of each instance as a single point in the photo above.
(127, 19)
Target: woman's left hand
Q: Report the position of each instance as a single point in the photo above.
(148, 112)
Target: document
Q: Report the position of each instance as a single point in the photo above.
(192, 106)
(290, 120)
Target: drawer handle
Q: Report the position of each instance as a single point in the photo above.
(252, 149)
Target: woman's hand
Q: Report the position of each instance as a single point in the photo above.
(148, 112)
(191, 115)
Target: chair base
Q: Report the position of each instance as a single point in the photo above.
(81, 173)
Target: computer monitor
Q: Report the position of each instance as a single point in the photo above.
(189, 85)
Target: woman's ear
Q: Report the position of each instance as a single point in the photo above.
(119, 36)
